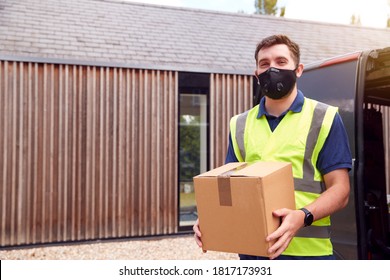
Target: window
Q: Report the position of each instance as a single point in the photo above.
(193, 141)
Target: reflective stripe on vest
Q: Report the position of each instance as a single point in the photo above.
(306, 184)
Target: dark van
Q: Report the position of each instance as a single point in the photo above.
(359, 84)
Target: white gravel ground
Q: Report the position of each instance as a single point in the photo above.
(182, 247)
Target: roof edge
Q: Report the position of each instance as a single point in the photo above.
(62, 61)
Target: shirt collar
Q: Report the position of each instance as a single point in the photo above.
(295, 107)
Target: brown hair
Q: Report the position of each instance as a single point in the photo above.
(277, 40)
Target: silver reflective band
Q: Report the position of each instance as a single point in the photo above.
(314, 132)
(307, 185)
(240, 130)
(314, 232)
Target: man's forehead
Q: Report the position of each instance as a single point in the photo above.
(275, 51)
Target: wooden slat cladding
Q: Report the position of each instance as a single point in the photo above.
(229, 95)
(86, 152)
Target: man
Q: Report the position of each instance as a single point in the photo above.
(286, 126)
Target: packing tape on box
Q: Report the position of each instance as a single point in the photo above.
(224, 188)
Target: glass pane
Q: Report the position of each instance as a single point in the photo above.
(192, 151)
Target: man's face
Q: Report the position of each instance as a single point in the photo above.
(277, 56)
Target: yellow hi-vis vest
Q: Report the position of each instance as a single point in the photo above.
(298, 139)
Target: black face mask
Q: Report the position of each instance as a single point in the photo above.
(277, 83)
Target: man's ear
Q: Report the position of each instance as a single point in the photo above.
(299, 70)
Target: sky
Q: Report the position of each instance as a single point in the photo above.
(372, 13)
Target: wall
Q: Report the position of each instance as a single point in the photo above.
(86, 152)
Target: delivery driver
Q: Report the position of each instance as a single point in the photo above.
(286, 126)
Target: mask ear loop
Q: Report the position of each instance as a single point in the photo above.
(258, 95)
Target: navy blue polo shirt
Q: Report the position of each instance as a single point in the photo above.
(335, 154)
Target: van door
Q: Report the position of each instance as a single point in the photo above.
(373, 142)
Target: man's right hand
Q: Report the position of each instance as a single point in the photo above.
(198, 234)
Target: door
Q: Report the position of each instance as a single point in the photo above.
(375, 158)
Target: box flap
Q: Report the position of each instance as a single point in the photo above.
(222, 169)
(260, 169)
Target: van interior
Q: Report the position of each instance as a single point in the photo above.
(376, 153)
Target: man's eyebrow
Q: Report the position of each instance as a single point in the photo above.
(277, 58)
(282, 57)
(264, 59)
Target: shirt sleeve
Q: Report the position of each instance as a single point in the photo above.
(336, 153)
(230, 156)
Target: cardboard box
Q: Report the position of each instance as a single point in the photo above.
(235, 204)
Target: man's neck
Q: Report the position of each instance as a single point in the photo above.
(276, 107)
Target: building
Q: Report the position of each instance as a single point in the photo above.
(108, 108)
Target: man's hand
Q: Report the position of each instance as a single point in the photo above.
(292, 221)
(198, 234)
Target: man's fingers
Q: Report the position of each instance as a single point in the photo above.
(197, 240)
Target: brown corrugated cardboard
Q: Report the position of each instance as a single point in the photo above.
(235, 204)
